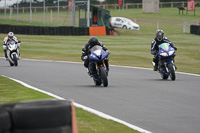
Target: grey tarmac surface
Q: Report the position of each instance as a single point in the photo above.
(137, 96)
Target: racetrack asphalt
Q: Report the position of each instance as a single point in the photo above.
(137, 96)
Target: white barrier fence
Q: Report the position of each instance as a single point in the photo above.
(59, 15)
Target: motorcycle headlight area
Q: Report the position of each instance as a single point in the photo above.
(163, 54)
(12, 47)
(171, 52)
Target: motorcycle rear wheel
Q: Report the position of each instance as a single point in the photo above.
(11, 64)
(164, 76)
(104, 76)
(97, 83)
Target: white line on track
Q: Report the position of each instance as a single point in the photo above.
(142, 68)
(103, 115)
(87, 108)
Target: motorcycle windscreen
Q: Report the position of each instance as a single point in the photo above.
(97, 53)
(104, 54)
(12, 46)
(164, 46)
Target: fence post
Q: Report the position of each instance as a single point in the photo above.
(30, 11)
(5, 11)
(58, 11)
(184, 27)
(17, 11)
(51, 16)
(11, 11)
(157, 25)
(44, 12)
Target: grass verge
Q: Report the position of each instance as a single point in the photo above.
(130, 48)
(87, 123)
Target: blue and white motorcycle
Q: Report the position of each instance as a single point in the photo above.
(98, 57)
(12, 51)
(166, 61)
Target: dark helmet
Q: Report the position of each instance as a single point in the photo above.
(93, 41)
(159, 35)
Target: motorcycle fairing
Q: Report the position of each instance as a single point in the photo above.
(166, 50)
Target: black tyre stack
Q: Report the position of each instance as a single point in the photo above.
(43, 116)
(195, 29)
(5, 121)
(40, 30)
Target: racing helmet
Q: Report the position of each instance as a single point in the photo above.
(10, 35)
(93, 41)
(159, 35)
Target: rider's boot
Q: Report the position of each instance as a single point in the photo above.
(89, 73)
(6, 57)
(175, 67)
(107, 70)
(155, 66)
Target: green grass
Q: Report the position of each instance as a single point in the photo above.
(164, 15)
(13, 92)
(129, 48)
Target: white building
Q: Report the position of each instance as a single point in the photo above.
(8, 3)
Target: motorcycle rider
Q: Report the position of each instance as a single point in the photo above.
(7, 39)
(159, 39)
(93, 41)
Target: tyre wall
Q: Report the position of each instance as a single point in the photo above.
(39, 30)
(43, 116)
(195, 29)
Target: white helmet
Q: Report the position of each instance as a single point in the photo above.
(10, 35)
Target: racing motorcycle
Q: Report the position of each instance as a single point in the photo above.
(13, 52)
(98, 56)
(166, 64)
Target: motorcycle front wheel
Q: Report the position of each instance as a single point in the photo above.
(171, 71)
(104, 76)
(15, 60)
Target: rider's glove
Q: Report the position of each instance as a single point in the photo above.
(4, 46)
(175, 48)
(108, 51)
(85, 57)
(154, 52)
